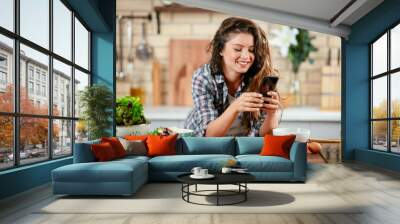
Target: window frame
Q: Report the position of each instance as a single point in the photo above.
(16, 114)
(388, 74)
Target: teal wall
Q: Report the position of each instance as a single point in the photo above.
(24, 178)
(99, 16)
(355, 78)
(103, 66)
(104, 53)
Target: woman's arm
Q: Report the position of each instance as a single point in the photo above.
(221, 125)
(247, 102)
(271, 121)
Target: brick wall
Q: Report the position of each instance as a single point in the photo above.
(202, 25)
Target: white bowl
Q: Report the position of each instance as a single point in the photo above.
(302, 134)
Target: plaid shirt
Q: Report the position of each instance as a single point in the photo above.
(210, 97)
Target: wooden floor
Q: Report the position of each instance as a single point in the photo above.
(378, 189)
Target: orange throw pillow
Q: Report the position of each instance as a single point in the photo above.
(103, 151)
(161, 145)
(135, 137)
(116, 145)
(277, 145)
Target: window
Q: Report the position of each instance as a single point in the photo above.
(43, 90)
(7, 143)
(34, 21)
(385, 94)
(62, 129)
(37, 75)
(41, 83)
(38, 89)
(3, 61)
(7, 86)
(62, 74)
(81, 81)
(30, 72)
(3, 72)
(7, 14)
(62, 31)
(81, 45)
(30, 87)
(3, 80)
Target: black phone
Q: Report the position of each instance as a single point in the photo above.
(268, 84)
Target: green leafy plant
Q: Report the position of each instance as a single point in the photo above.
(129, 111)
(96, 103)
(300, 52)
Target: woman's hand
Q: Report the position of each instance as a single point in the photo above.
(248, 102)
(271, 104)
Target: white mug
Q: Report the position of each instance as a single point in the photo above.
(226, 170)
(196, 170)
(203, 172)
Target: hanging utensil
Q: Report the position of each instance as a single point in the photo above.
(144, 51)
(130, 46)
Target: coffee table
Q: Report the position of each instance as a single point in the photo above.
(238, 179)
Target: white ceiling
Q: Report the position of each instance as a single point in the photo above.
(317, 15)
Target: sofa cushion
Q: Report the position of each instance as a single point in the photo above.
(103, 151)
(206, 145)
(160, 145)
(257, 163)
(136, 137)
(131, 158)
(112, 171)
(185, 163)
(116, 145)
(249, 145)
(134, 147)
(277, 145)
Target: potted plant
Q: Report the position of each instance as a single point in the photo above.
(96, 110)
(130, 116)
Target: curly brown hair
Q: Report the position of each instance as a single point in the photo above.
(235, 25)
(262, 65)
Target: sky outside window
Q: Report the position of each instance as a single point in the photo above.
(379, 56)
(81, 45)
(7, 14)
(395, 47)
(62, 29)
(35, 21)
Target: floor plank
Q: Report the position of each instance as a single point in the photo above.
(376, 190)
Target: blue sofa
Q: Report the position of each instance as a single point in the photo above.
(125, 176)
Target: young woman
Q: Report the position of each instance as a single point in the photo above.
(225, 92)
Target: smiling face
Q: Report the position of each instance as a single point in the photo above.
(238, 53)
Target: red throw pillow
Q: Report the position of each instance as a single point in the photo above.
(103, 151)
(116, 145)
(277, 145)
(135, 137)
(161, 145)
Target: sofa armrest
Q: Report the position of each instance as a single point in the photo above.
(298, 155)
(83, 152)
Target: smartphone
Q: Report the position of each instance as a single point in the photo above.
(268, 84)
